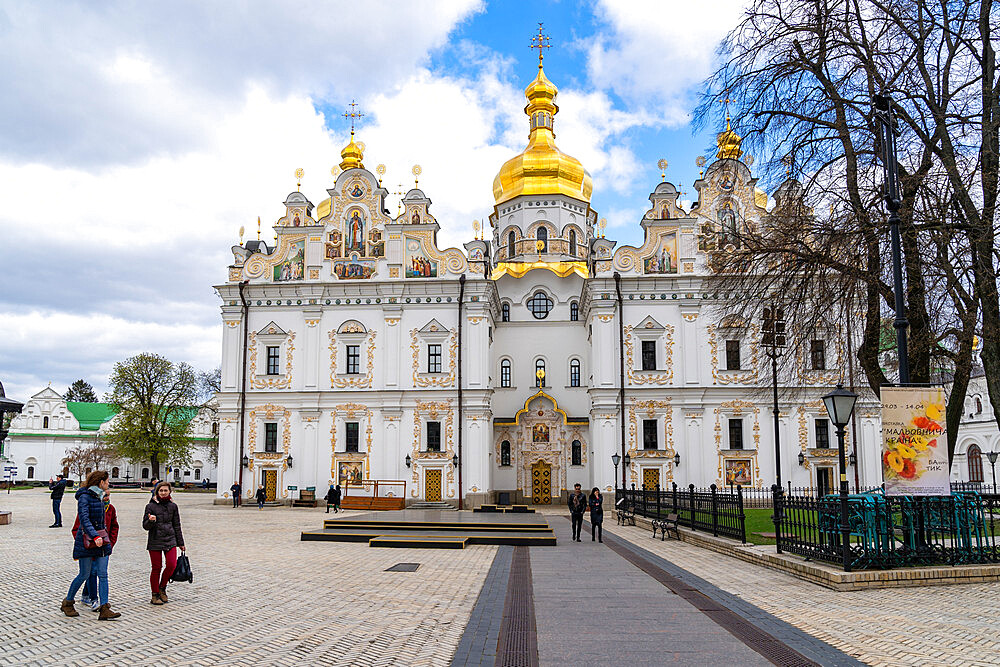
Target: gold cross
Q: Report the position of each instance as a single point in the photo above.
(540, 42)
(353, 114)
(400, 192)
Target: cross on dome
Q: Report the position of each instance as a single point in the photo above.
(354, 113)
(540, 42)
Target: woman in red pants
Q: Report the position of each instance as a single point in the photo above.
(163, 523)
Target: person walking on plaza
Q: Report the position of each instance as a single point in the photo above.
(57, 487)
(152, 490)
(162, 520)
(596, 502)
(91, 545)
(236, 490)
(330, 495)
(337, 495)
(89, 595)
(261, 496)
(577, 506)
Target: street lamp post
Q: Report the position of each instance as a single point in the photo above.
(839, 406)
(992, 456)
(615, 460)
(774, 342)
(887, 135)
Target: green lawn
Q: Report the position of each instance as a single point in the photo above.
(759, 521)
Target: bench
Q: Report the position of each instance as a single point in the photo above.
(663, 525)
(626, 516)
(306, 498)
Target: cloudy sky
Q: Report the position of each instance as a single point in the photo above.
(136, 138)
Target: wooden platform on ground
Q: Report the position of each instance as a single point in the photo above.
(504, 509)
(426, 529)
(374, 504)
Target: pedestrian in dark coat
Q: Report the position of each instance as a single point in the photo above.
(89, 595)
(261, 496)
(162, 520)
(330, 494)
(90, 511)
(337, 495)
(596, 503)
(57, 487)
(577, 506)
(236, 489)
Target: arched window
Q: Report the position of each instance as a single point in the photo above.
(540, 366)
(574, 373)
(979, 406)
(505, 312)
(114, 473)
(31, 472)
(45, 422)
(215, 428)
(574, 311)
(511, 241)
(505, 373)
(576, 454)
(539, 305)
(197, 473)
(145, 473)
(505, 453)
(975, 464)
(543, 235)
(572, 242)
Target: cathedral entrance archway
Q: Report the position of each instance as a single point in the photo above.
(541, 483)
(432, 485)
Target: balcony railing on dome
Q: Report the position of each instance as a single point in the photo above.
(527, 249)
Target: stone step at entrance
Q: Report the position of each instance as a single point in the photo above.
(432, 506)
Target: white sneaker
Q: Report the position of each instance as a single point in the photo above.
(95, 605)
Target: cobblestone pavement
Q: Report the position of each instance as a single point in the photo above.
(260, 596)
(939, 625)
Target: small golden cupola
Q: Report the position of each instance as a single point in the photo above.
(541, 168)
(351, 155)
(729, 142)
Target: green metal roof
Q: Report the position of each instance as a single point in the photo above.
(90, 415)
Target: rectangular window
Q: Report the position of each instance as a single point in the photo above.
(735, 434)
(434, 436)
(434, 358)
(352, 436)
(197, 473)
(353, 359)
(272, 360)
(505, 373)
(817, 354)
(649, 434)
(823, 433)
(574, 374)
(649, 355)
(271, 437)
(732, 355)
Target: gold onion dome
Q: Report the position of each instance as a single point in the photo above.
(542, 168)
(729, 143)
(351, 155)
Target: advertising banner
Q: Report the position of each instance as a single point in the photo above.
(914, 445)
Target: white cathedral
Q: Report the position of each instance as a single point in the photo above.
(357, 350)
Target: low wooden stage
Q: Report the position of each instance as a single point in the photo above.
(429, 529)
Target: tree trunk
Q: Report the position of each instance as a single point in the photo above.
(154, 465)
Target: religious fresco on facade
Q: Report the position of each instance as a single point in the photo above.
(376, 246)
(415, 218)
(417, 264)
(664, 259)
(356, 191)
(354, 240)
(350, 473)
(540, 433)
(297, 218)
(354, 268)
(293, 267)
(738, 472)
(727, 222)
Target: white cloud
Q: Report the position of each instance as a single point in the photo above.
(654, 52)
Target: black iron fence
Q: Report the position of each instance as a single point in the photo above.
(884, 532)
(713, 510)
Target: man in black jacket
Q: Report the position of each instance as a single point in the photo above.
(58, 487)
(577, 506)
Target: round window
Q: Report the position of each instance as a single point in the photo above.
(540, 305)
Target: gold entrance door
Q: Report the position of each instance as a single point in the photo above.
(432, 485)
(271, 485)
(541, 483)
(650, 478)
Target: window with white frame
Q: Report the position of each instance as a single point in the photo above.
(576, 453)
(434, 436)
(505, 373)
(817, 354)
(505, 312)
(271, 437)
(574, 373)
(649, 355)
(434, 358)
(822, 433)
(273, 359)
(574, 311)
(505, 454)
(736, 433)
(733, 355)
(540, 377)
(650, 438)
(352, 436)
(353, 366)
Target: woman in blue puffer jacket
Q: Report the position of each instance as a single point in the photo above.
(90, 511)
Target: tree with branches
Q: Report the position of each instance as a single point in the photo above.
(81, 391)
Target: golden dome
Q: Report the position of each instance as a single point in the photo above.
(729, 143)
(542, 168)
(352, 156)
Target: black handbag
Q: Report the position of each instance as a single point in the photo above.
(183, 570)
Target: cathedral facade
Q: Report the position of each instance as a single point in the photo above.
(513, 368)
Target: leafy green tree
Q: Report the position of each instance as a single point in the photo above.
(81, 391)
(154, 399)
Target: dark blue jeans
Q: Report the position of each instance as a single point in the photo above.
(88, 565)
(55, 510)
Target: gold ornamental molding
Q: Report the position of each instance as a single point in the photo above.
(521, 269)
(649, 409)
(269, 382)
(689, 317)
(452, 259)
(431, 410)
(605, 318)
(629, 258)
(660, 377)
(270, 411)
(259, 264)
(737, 408)
(353, 382)
(350, 411)
(443, 380)
(735, 377)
